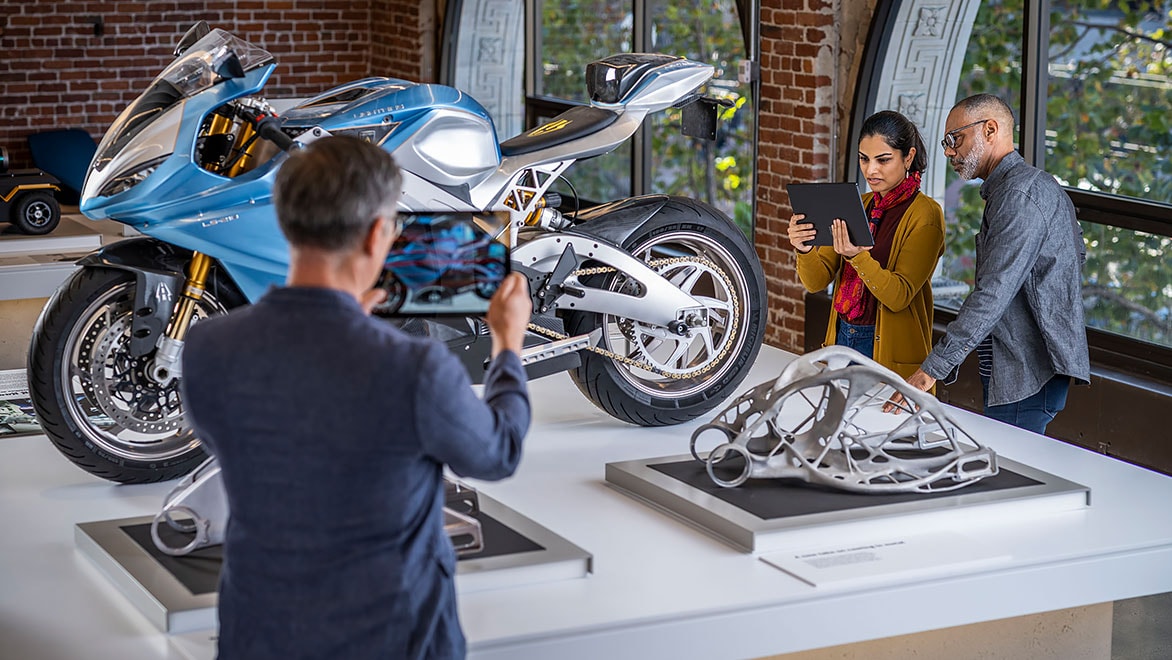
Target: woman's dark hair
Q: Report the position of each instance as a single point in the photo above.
(899, 133)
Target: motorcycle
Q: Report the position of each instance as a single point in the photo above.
(654, 304)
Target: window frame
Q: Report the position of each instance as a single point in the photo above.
(539, 106)
(1132, 356)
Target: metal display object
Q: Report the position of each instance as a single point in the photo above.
(199, 505)
(819, 422)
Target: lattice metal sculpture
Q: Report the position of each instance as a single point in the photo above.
(198, 506)
(813, 423)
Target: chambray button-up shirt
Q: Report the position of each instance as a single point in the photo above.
(1028, 292)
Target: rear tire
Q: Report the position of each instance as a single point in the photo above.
(682, 228)
(96, 402)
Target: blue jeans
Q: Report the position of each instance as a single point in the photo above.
(1035, 412)
(859, 337)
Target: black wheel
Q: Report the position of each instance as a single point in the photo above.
(672, 378)
(97, 403)
(396, 295)
(36, 213)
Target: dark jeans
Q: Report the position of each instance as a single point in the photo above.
(859, 337)
(1033, 413)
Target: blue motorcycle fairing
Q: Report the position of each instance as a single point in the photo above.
(171, 203)
(385, 100)
(242, 234)
(179, 175)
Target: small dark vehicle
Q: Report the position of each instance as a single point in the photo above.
(26, 199)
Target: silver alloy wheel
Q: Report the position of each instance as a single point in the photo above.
(38, 214)
(694, 353)
(111, 396)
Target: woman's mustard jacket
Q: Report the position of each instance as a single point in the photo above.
(903, 320)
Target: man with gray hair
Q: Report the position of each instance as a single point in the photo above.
(332, 430)
(1024, 316)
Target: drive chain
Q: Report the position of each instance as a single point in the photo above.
(656, 264)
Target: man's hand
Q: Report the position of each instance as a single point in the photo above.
(371, 298)
(508, 314)
(919, 380)
(842, 239)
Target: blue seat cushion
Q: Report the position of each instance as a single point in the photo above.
(66, 154)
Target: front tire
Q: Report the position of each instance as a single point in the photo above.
(97, 403)
(704, 371)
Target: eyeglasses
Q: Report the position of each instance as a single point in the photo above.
(950, 142)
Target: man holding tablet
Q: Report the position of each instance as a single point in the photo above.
(333, 428)
(882, 297)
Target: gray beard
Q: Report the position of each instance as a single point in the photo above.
(968, 166)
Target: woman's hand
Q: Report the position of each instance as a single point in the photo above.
(801, 233)
(842, 239)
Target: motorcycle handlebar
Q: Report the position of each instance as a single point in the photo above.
(269, 128)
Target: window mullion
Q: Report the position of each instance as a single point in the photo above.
(641, 147)
(1034, 80)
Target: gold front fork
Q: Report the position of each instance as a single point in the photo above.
(197, 275)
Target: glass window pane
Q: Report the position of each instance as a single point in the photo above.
(718, 172)
(1108, 126)
(598, 180)
(1127, 285)
(575, 33)
(992, 65)
(567, 46)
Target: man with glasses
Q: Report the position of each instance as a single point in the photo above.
(1024, 316)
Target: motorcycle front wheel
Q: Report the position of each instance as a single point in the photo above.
(96, 402)
(665, 377)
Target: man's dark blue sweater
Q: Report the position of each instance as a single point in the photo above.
(332, 430)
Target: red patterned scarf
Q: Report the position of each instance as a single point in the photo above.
(850, 300)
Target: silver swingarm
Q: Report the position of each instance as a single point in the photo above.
(659, 302)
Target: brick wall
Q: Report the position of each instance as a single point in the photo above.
(55, 71)
(805, 44)
(404, 42)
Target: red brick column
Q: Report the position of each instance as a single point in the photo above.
(404, 40)
(793, 143)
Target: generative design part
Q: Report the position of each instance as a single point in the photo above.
(821, 421)
(199, 505)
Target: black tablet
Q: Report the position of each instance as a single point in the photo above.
(446, 263)
(823, 202)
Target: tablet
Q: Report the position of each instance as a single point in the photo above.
(823, 202)
(443, 264)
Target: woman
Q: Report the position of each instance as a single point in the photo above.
(882, 296)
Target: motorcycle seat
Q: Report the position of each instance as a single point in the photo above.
(579, 121)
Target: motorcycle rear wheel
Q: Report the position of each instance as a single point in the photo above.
(97, 403)
(736, 305)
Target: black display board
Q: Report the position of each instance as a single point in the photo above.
(199, 571)
(773, 499)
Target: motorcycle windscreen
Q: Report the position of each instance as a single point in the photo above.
(445, 264)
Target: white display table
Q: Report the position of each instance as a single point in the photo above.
(660, 588)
